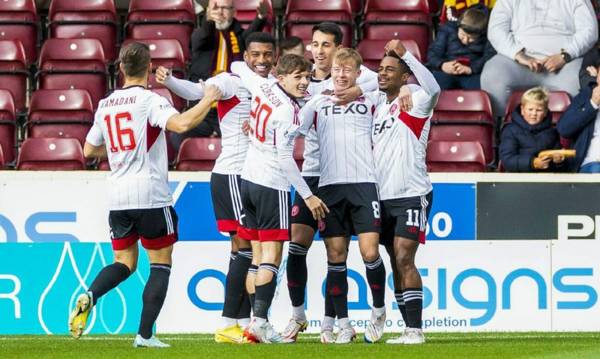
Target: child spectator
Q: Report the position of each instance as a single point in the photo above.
(291, 45)
(458, 53)
(453, 9)
(529, 133)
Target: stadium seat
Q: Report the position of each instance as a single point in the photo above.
(18, 21)
(356, 6)
(51, 154)
(299, 152)
(302, 15)
(164, 19)
(1, 158)
(7, 126)
(198, 154)
(60, 114)
(464, 115)
(167, 53)
(104, 166)
(558, 103)
(73, 64)
(372, 51)
(96, 19)
(404, 20)
(13, 71)
(245, 12)
(455, 156)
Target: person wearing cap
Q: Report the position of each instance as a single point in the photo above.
(460, 50)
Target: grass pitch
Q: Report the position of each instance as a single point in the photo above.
(447, 346)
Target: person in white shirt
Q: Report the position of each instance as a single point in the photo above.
(129, 127)
(268, 172)
(225, 182)
(326, 40)
(400, 134)
(348, 186)
(539, 43)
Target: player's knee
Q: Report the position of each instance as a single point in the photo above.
(405, 264)
(336, 255)
(369, 254)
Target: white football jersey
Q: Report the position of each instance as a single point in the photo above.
(344, 134)
(131, 123)
(367, 81)
(273, 128)
(400, 138)
(233, 109)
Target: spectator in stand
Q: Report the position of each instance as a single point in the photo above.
(216, 43)
(459, 51)
(453, 9)
(581, 124)
(291, 45)
(539, 43)
(589, 66)
(529, 133)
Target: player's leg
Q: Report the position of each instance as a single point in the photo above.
(248, 231)
(273, 230)
(397, 281)
(411, 223)
(226, 197)
(304, 227)
(366, 218)
(158, 232)
(124, 241)
(241, 267)
(337, 287)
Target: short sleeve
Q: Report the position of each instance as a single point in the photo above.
(160, 111)
(227, 83)
(94, 136)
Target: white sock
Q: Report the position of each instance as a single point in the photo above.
(298, 313)
(344, 323)
(327, 324)
(377, 312)
(228, 322)
(243, 322)
(259, 321)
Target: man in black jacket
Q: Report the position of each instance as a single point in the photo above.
(216, 43)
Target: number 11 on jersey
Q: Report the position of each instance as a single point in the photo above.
(125, 139)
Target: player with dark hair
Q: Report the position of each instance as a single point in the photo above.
(400, 133)
(225, 182)
(268, 172)
(291, 45)
(129, 127)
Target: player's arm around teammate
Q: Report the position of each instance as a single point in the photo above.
(400, 137)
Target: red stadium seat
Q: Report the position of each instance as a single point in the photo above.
(73, 64)
(198, 154)
(167, 53)
(164, 19)
(558, 103)
(95, 19)
(13, 71)
(356, 6)
(1, 158)
(299, 151)
(404, 20)
(455, 156)
(302, 15)
(104, 166)
(463, 115)
(51, 154)
(245, 12)
(18, 21)
(60, 114)
(372, 51)
(8, 126)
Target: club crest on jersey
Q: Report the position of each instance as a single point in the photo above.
(393, 108)
(352, 108)
(295, 210)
